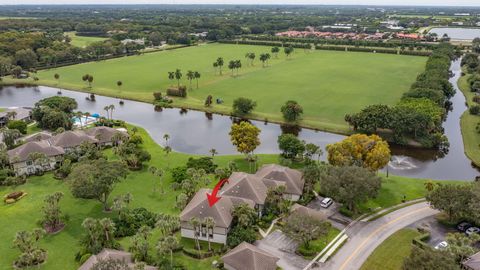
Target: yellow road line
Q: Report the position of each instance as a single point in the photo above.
(375, 232)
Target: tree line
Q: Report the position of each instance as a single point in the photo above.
(421, 111)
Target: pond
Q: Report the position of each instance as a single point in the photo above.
(457, 33)
(197, 132)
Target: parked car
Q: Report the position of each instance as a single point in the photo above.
(441, 245)
(325, 203)
(472, 230)
(463, 226)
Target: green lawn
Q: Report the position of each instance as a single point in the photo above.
(25, 214)
(468, 122)
(82, 41)
(391, 253)
(319, 244)
(327, 84)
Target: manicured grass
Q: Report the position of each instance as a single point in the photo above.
(468, 122)
(391, 253)
(327, 84)
(319, 244)
(82, 41)
(2, 109)
(25, 214)
(33, 128)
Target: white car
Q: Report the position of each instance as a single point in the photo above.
(325, 203)
(441, 245)
(472, 230)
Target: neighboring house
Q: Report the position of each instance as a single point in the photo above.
(249, 257)
(70, 140)
(55, 146)
(40, 136)
(24, 114)
(221, 212)
(20, 157)
(240, 188)
(113, 254)
(104, 135)
(139, 41)
(473, 262)
(293, 179)
(249, 186)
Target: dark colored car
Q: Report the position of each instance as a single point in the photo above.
(463, 226)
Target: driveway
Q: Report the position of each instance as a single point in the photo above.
(278, 244)
(438, 232)
(365, 237)
(338, 220)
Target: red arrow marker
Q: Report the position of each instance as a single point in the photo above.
(212, 198)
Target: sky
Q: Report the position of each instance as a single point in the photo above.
(316, 2)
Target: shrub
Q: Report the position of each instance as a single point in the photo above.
(197, 254)
(130, 221)
(177, 92)
(475, 109)
(157, 95)
(18, 125)
(205, 163)
(476, 99)
(179, 174)
(208, 101)
(306, 252)
(238, 235)
(243, 106)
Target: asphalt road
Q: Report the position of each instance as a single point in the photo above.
(365, 237)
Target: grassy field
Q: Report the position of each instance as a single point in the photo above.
(391, 253)
(25, 214)
(327, 84)
(81, 41)
(468, 122)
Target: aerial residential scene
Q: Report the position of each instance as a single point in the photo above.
(240, 135)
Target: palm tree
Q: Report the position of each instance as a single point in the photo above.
(158, 173)
(112, 108)
(87, 115)
(190, 77)
(210, 224)
(167, 150)
(231, 65)
(238, 65)
(119, 84)
(213, 152)
(197, 76)
(167, 245)
(251, 57)
(166, 137)
(107, 108)
(275, 51)
(108, 228)
(195, 222)
(11, 115)
(429, 185)
(220, 64)
(57, 77)
(171, 76)
(178, 76)
(79, 117)
(244, 214)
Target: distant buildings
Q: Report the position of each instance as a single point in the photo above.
(241, 188)
(54, 147)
